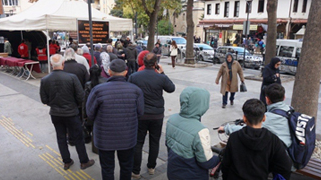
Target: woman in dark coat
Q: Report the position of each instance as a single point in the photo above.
(95, 79)
(270, 75)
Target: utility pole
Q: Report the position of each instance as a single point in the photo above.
(91, 33)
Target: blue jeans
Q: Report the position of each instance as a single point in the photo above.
(72, 125)
(107, 163)
(226, 96)
(154, 127)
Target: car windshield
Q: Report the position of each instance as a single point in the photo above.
(179, 40)
(144, 43)
(240, 51)
(205, 47)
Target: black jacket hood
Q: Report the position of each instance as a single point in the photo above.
(255, 139)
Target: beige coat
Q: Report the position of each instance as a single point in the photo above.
(224, 73)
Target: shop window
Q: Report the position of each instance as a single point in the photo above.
(209, 8)
(226, 9)
(298, 53)
(236, 8)
(10, 2)
(304, 6)
(261, 6)
(217, 8)
(286, 51)
(248, 7)
(295, 6)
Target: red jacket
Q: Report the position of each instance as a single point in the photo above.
(53, 49)
(88, 57)
(23, 50)
(42, 54)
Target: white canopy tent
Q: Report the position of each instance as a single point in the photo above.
(59, 15)
(52, 15)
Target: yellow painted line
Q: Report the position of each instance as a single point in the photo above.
(14, 134)
(53, 150)
(51, 165)
(81, 175)
(71, 177)
(6, 119)
(66, 177)
(49, 159)
(55, 159)
(70, 171)
(19, 132)
(83, 172)
(30, 133)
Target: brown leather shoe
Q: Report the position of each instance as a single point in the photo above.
(67, 165)
(88, 164)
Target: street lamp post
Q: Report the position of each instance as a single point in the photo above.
(248, 3)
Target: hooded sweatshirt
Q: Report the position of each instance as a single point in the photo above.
(188, 140)
(254, 153)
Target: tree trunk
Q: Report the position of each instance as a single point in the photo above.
(152, 25)
(307, 79)
(272, 30)
(190, 33)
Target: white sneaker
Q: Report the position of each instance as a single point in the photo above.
(151, 171)
(136, 176)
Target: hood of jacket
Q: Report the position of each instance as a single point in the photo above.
(194, 102)
(229, 54)
(131, 47)
(254, 139)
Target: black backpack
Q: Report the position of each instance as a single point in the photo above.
(302, 129)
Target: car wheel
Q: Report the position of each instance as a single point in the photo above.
(216, 61)
(242, 64)
(201, 58)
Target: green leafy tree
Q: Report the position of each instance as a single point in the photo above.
(148, 12)
(164, 26)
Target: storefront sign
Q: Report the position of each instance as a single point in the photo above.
(240, 27)
(100, 31)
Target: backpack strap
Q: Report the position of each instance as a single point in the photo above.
(283, 113)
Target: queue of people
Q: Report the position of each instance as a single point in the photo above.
(119, 104)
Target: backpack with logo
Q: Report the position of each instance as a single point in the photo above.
(302, 129)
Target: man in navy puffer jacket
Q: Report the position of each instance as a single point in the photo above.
(115, 106)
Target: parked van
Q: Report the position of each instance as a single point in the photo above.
(289, 52)
(167, 40)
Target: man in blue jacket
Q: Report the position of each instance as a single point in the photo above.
(115, 106)
(152, 83)
(188, 140)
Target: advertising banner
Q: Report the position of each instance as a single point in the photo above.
(100, 31)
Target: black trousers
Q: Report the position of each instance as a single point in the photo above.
(154, 127)
(107, 163)
(72, 125)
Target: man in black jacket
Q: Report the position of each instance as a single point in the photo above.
(75, 68)
(253, 152)
(131, 58)
(62, 91)
(152, 83)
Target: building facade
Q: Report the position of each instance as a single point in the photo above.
(225, 18)
(178, 20)
(12, 7)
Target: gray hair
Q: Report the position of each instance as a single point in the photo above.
(85, 49)
(97, 47)
(109, 48)
(80, 51)
(69, 54)
(56, 60)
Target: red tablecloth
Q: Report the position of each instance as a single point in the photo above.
(12, 62)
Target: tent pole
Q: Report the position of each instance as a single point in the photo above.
(47, 39)
(91, 34)
(21, 35)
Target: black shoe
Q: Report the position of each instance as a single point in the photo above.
(232, 103)
(67, 165)
(224, 106)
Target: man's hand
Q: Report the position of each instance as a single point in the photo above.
(123, 55)
(160, 70)
(216, 82)
(221, 129)
(277, 75)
